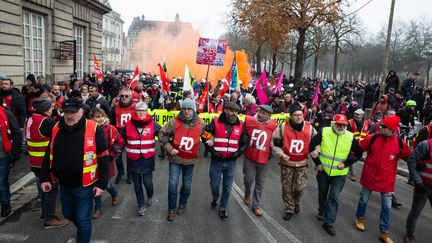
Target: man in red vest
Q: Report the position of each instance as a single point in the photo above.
(184, 131)
(121, 112)
(360, 128)
(9, 153)
(420, 168)
(291, 143)
(259, 130)
(55, 90)
(38, 129)
(13, 100)
(226, 143)
(78, 158)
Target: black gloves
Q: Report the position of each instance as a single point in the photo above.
(421, 166)
(236, 154)
(420, 188)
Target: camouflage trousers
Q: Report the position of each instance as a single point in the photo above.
(294, 181)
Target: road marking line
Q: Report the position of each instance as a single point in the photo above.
(13, 237)
(23, 181)
(257, 223)
(73, 240)
(279, 227)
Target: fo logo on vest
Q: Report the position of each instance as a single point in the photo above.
(260, 137)
(296, 144)
(187, 142)
(124, 118)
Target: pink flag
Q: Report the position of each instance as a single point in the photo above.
(278, 87)
(262, 96)
(315, 98)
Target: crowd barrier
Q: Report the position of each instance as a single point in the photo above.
(163, 116)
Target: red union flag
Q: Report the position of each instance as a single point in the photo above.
(96, 69)
(211, 52)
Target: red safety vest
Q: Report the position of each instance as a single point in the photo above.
(296, 144)
(426, 174)
(7, 101)
(59, 101)
(123, 114)
(5, 131)
(359, 135)
(223, 144)
(137, 144)
(212, 109)
(36, 142)
(137, 96)
(260, 137)
(90, 172)
(186, 140)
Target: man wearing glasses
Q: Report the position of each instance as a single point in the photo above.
(379, 172)
(121, 112)
(291, 143)
(332, 164)
(226, 142)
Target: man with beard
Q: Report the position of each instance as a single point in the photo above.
(96, 99)
(13, 100)
(291, 144)
(332, 164)
(78, 158)
(228, 144)
(184, 131)
(259, 129)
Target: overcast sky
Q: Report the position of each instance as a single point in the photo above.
(207, 16)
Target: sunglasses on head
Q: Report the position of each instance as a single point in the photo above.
(124, 96)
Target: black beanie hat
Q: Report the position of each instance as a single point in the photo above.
(293, 108)
(31, 77)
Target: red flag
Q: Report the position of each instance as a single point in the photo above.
(97, 70)
(165, 80)
(223, 88)
(135, 78)
(203, 98)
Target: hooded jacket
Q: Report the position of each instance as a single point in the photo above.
(378, 106)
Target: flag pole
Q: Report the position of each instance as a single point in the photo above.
(208, 96)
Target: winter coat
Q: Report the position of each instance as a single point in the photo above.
(100, 102)
(378, 106)
(380, 167)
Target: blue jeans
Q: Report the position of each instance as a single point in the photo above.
(4, 181)
(226, 170)
(111, 190)
(329, 188)
(77, 204)
(174, 177)
(386, 202)
(138, 180)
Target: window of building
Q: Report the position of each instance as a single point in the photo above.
(34, 49)
(79, 37)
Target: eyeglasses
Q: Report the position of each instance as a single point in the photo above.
(124, 96)
(383, 126)
(140, 110)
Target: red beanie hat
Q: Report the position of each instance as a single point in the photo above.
(391, 122)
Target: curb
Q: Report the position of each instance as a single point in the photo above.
(24, 181)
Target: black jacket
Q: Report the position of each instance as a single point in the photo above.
(18, 106)
(67, 164)
(16, 136)
(210, 128)
(100, 102)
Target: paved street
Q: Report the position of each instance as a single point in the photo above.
(201, 224)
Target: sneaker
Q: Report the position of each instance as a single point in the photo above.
(287, 216)
(297, 208)
(6, 210)
(141, 211)
(223, 214)
(149, 201)
(55, 222)
(395, 202)
(181, 210)
(118, 179)
(96, 214)
(36, 205)
(385, 237)
(409, 239)
(359, 224)
(171, 216)
(353, 178)
(320, 217)
(115, 201)
(246, 200)
(329, 229)
(257, 211)
(213, 204)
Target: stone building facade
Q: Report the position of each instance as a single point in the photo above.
(31, 32)
(112, 40)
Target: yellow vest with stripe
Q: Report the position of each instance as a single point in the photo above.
(335, 149)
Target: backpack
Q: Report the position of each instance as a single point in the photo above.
(376, 135)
